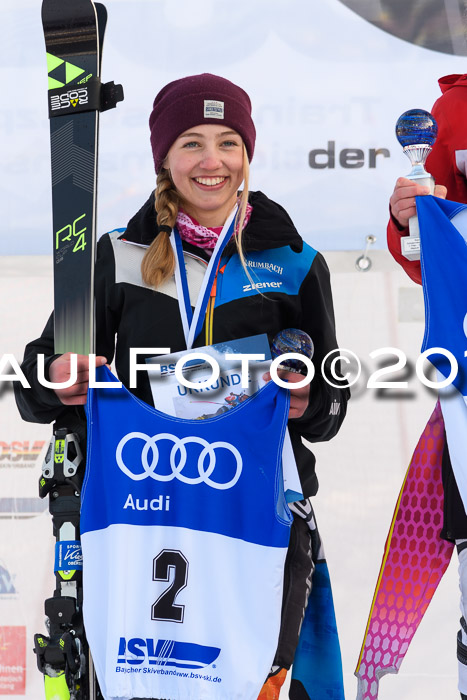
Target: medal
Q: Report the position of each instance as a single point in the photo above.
(192, 320)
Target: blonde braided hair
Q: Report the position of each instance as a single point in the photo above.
(158, 263)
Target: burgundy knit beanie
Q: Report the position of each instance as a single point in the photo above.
(199, 99)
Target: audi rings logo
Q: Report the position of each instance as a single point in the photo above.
(178, 459)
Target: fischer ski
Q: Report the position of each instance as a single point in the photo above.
(76, 96)
(74, 34)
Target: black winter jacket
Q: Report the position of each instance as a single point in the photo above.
(295, 292)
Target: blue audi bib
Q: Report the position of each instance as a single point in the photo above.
(184, 529)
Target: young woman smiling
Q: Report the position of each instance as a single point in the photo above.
(265, 279)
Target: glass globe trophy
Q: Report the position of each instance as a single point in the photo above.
(416, 131)
(292, 340)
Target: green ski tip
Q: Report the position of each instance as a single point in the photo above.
(53, 62)
(56, 687)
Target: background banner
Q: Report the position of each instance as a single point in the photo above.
(327, 80)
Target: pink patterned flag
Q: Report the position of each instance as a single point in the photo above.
(415, 559)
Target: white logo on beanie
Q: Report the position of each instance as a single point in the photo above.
(213, 109)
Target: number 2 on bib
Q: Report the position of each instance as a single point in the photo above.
(169, 564)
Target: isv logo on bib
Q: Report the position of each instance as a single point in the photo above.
(165, 652)
(191, 460)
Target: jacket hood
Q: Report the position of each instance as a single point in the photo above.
(269, 227)
(449, 81)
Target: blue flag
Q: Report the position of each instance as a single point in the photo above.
(444, 275)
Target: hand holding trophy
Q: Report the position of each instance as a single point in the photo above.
(416, 131)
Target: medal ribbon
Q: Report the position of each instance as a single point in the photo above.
(192, 321)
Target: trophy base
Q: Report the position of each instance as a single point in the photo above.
(410, 245)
